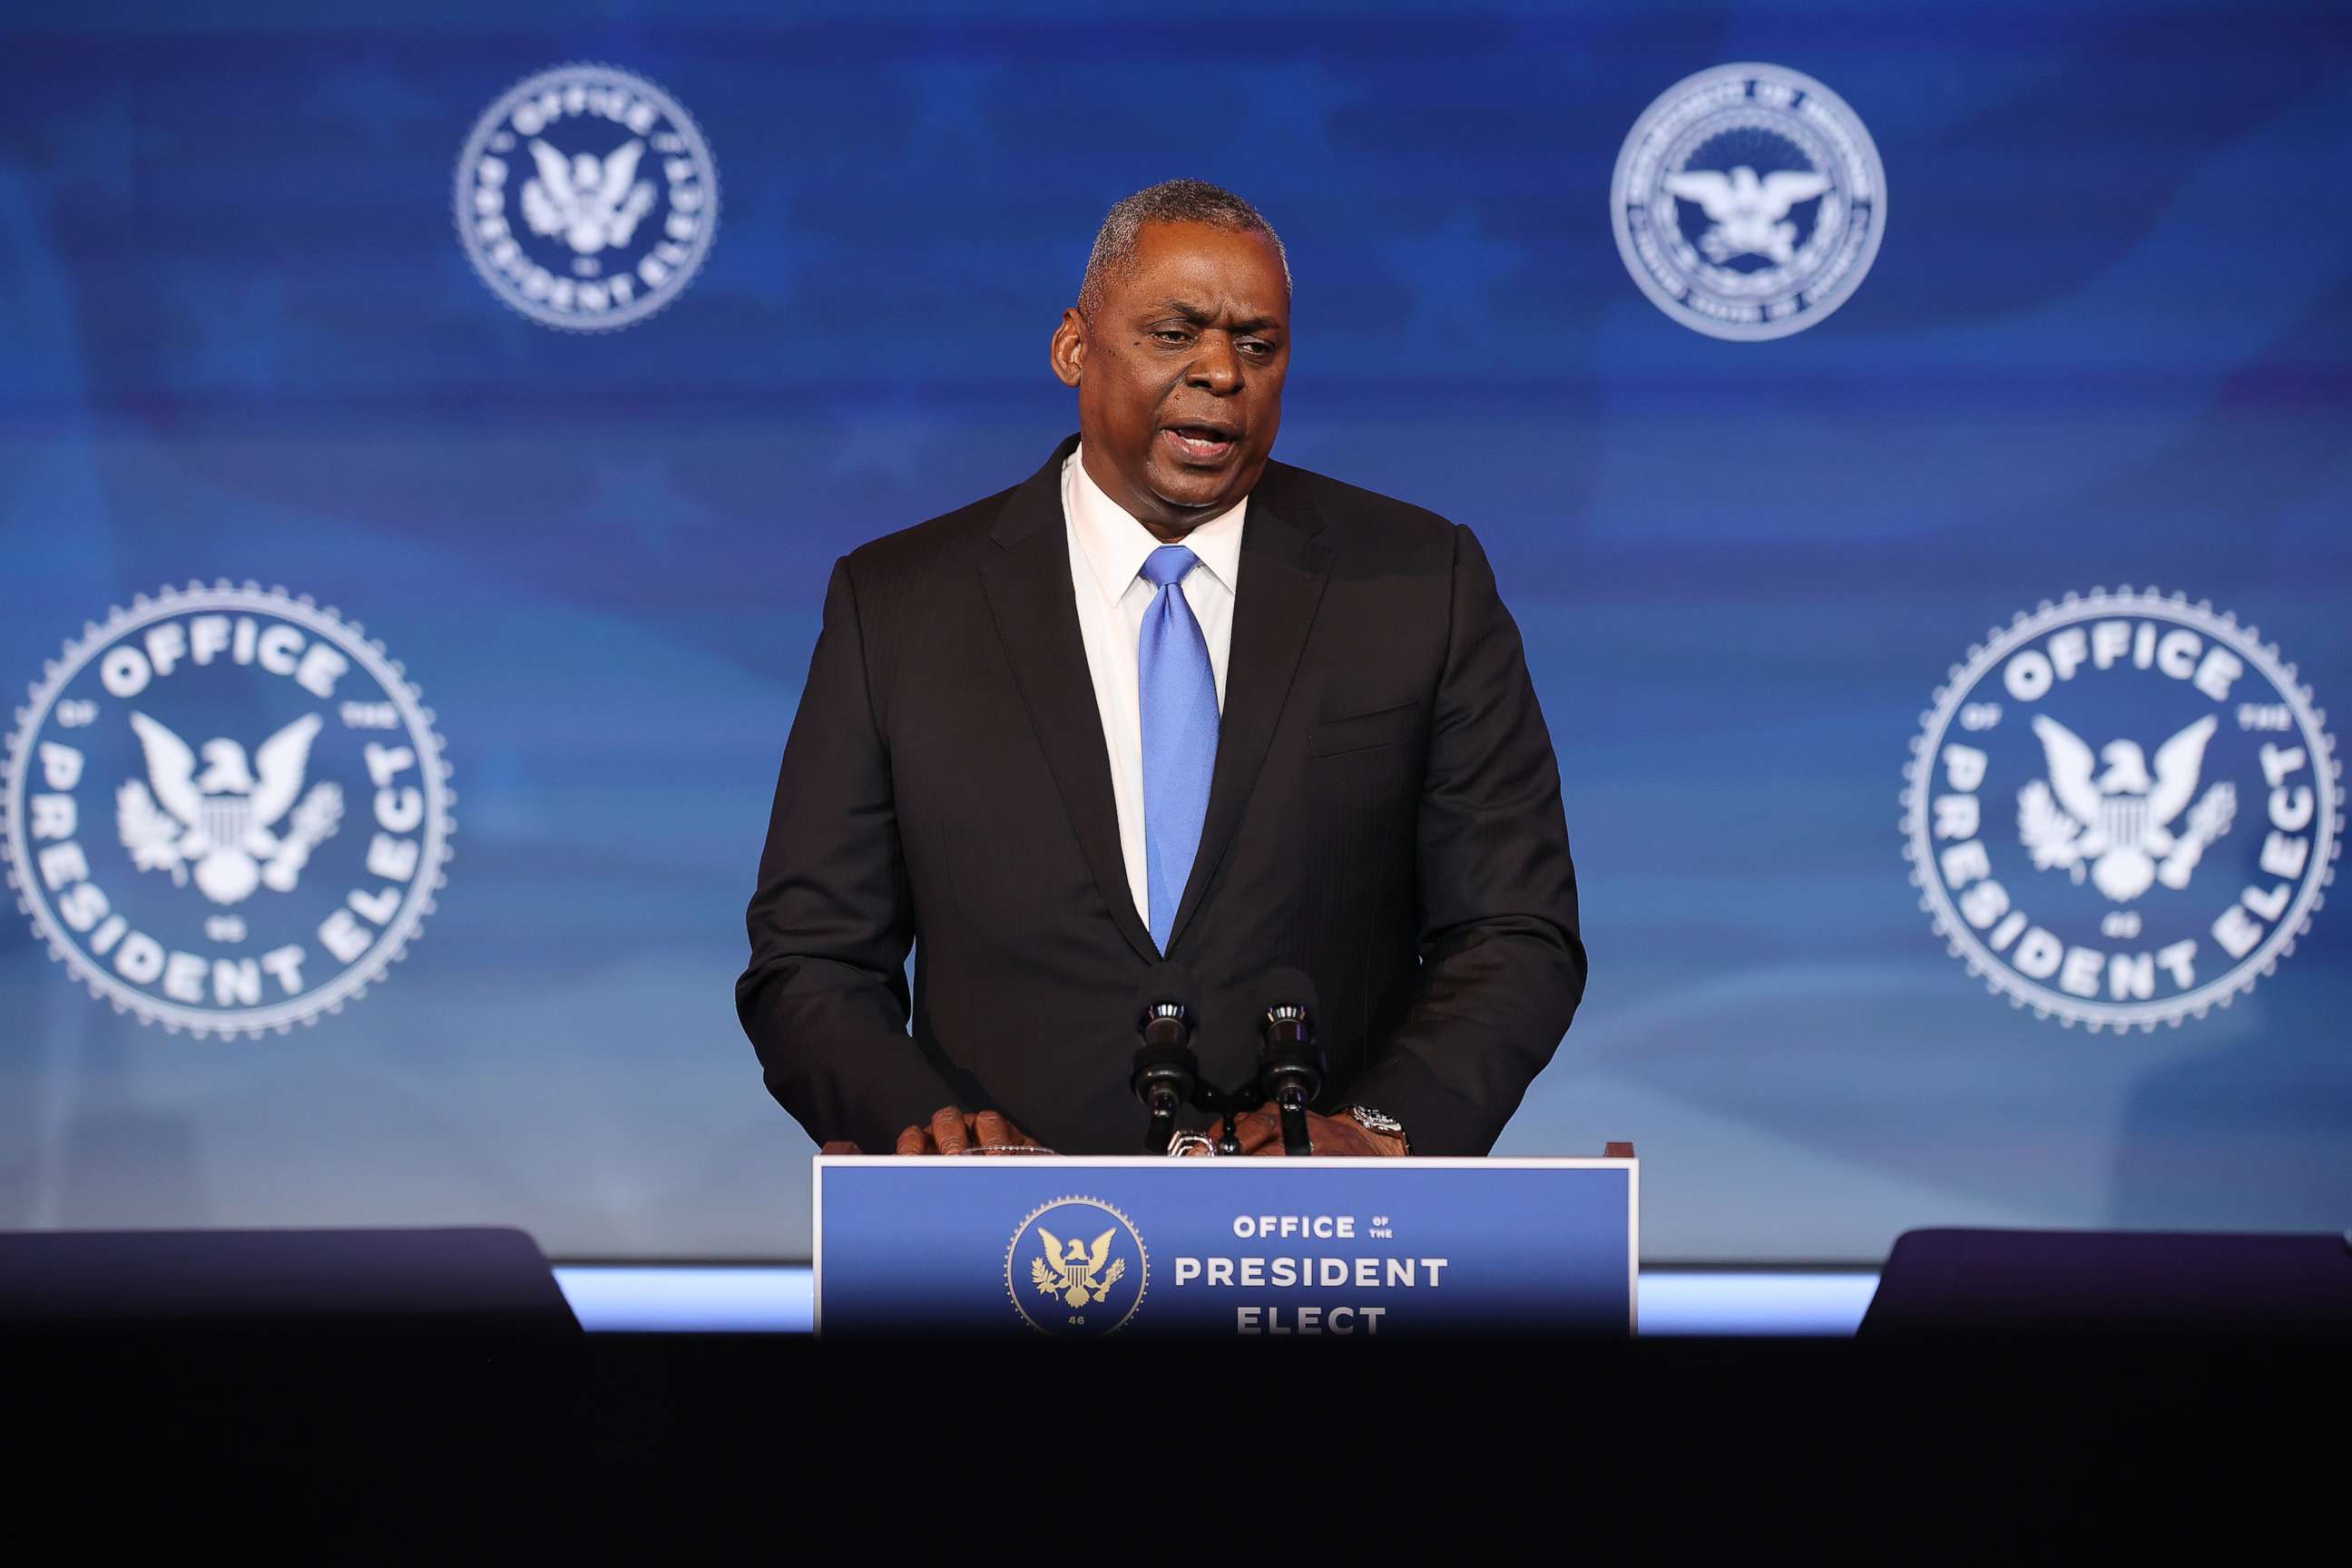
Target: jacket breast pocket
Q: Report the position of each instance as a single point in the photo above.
(1363, 732)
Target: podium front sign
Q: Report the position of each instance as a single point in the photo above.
(1089, 1247)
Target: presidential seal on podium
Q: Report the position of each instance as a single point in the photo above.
(1076, 1270)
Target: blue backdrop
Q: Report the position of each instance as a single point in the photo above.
(2108, 341)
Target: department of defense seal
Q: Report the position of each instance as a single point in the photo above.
(586, 198)
(2123, 809)
(1076, 1270)
(1748, 202)
(226, 810)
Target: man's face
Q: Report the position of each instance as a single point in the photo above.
(1179, 373)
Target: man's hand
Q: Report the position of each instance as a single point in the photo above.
(1261, 1134)
(954, 1131)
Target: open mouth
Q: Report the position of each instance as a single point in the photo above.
(1197, 442)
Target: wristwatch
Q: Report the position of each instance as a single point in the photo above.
(1381, 1121)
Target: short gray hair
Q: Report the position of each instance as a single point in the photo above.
(1170, 201)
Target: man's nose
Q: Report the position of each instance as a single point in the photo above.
(1215, 366)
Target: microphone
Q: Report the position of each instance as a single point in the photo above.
(1290, 1064)
(1166, 1071)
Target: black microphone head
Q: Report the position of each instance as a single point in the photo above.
(1290, 1064)
(1164, 986)
(1288, 991)
(1165, 1069)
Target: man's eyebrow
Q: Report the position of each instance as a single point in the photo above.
(1203, 316)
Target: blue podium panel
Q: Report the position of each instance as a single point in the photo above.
(1086, 1248)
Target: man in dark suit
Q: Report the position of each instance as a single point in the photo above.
(1165, 698)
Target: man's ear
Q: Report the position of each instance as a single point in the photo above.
(1069, 349)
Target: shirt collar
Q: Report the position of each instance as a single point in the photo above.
(1116, 545)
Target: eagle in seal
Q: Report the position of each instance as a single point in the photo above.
(223, 820)
(2117, 824)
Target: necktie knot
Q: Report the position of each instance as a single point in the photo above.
(1168, 565)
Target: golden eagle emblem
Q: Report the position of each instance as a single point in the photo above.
(1078, 1272)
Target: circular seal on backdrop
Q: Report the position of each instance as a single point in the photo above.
(586, 198)
(226, 810)
(1748, 202)
(2123, 809)
(1076, 1270)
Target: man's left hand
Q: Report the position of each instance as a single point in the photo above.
(1261, 1134)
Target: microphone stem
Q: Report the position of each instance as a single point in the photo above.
(1162, 1130)
(1296, 1144)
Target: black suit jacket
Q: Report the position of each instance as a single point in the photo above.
(1384, 815)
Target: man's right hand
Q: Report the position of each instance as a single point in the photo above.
(954, 1131)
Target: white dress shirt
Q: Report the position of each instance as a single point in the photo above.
(1108, 549)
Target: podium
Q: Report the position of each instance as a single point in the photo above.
(1087, 1248)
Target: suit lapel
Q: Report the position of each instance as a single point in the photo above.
(1027, 579)
(1283, 570)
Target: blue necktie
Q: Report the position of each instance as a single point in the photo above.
(1178, 692)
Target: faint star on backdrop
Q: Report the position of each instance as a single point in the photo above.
(768, 253)
(948, 105)
(891, 440)
(95, 146)
(237, 332)
(1291, 108)
(1448, 272)
(634, 495)
(388, 111)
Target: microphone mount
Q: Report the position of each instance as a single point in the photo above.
(1167, 1073)
(1291, 1064)
(1166, 1076)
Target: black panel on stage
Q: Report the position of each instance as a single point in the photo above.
(472, 1280)
(2106, 1282)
